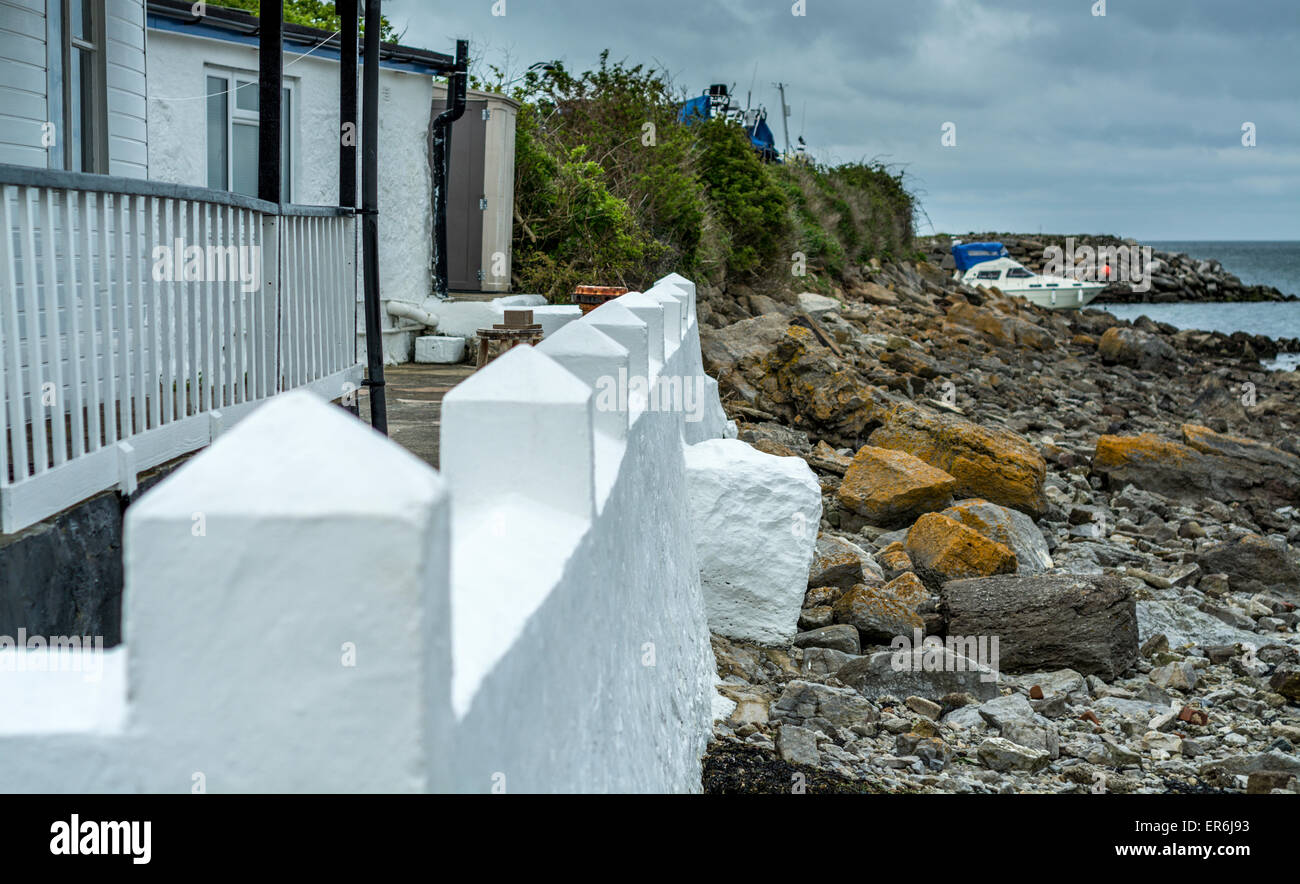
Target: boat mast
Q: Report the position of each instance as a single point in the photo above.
(785, 117)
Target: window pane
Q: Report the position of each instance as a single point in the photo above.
(80, 26)
(246, 96)
(86, 83)
(286, 168)
(217, 115)
(244, 159)
(81, 112)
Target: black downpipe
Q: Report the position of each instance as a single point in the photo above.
(370, 218)
(348, 131)
(440, 159)
(348, 134)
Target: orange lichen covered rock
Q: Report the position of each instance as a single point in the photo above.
(888, 487)
(944, 549)
(879, 613)
(994, 464)
(1117, 452)
(894, 558)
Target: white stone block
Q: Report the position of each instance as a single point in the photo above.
(651, 312)
(672, 317)
(522, 426)
(439, 349)
(755, 519)
(687, 286)
(616, 320)
(600, 362)
(287, 611)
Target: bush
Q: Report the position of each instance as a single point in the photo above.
(611, 188)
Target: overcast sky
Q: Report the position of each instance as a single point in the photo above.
(1065, 121)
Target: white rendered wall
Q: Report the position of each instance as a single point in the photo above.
(530, 621)
(178, 65)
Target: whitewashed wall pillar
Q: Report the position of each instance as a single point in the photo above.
(287, 611)
(521, 426)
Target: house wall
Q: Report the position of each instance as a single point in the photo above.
(529, 620)
(24, 84)
(23, 72)
(128, 152)
(178, 151)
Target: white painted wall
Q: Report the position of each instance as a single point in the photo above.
(128, 152)
(535, 624)
(23, 82)
(178, 151)
(24, 68)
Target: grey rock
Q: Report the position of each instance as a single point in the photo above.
(797, 745)
(804, 700)
(904, 674)
(840, 637)
(1072, 621)
(1001, 754)
(1009, 527)
(1183, 625)
(824, 661)
(836, 562)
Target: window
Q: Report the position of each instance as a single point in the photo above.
(233, 103)
(83, 93)
(1018, 273)
(989, 274)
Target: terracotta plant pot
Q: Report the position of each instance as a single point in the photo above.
(589, 297)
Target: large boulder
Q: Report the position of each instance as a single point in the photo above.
(731, 352)
(914, 672)
(1009, 527)
(891, 488)
(804, 701)
(993, 464)
(755, 518)
(1136, 348)
(1253, 563)
(943, 549)
(1000, 328)
(1067, 621)
(1208, 464)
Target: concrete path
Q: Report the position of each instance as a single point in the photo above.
(414, 398)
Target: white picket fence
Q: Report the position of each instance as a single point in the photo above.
(137, 319)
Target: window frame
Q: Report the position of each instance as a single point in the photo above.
(93, 145)
(236, 116)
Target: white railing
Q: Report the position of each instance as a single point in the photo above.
(138, 319)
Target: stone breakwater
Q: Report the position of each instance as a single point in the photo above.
(1117, 504)
(1173, 276)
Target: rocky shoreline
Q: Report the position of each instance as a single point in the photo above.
(1175, 277)
(1118, 503)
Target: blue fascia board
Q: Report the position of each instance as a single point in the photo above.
(162, 23)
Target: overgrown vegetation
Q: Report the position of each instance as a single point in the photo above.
(611, 188)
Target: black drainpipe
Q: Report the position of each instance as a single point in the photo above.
(440, 159)
(370, 218)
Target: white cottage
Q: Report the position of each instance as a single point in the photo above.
(130, 127)
(202, 130)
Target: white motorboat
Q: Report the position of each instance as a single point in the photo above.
(990, 265)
